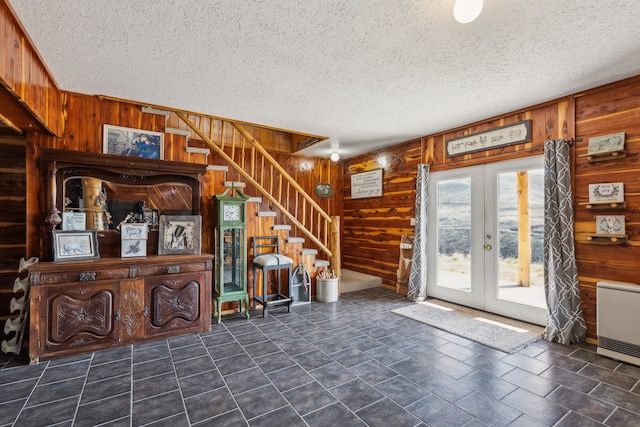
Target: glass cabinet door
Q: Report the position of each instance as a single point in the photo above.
(233, 260)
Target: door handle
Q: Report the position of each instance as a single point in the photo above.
(488, 247)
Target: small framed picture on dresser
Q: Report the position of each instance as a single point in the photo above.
(75, 245)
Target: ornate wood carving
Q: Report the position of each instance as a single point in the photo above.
(74, 316)
(132, 308)
(170, 303)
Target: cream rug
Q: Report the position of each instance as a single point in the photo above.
(498, 332)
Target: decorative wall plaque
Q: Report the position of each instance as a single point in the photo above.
(606, 192)
(498, 137)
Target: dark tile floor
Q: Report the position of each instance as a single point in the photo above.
(347, 363)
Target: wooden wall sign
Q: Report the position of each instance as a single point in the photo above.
(498, 137)
(366, 184)
(606, 192)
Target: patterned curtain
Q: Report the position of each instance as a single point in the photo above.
(418, 277)
(565, 323)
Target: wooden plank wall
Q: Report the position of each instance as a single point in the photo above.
(30, 95)
(13, 189)
(610, 109)
(373, 227)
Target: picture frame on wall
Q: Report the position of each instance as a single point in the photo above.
(610, 225)
(132, 142)
(516, 133)
(180, 234)
(606, 143)
(75, 245)
(606, 192)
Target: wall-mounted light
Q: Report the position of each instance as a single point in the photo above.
(305, 166)
(466, 11)
(335, 156)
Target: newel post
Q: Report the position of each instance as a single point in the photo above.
(334, 246)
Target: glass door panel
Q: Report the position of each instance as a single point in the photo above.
(485, 237)
(457, 229)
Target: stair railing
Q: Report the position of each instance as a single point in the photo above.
(269, 178)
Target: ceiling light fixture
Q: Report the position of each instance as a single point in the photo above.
(335, 156)
(466, 11)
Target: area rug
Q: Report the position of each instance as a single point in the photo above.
(498, 332)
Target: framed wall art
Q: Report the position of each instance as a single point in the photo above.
(610, 225)
(132, 142)
(323, 190)
(180, 234)
(606, 192)
(498, 137)
(75, 245)
(366, 184)
(606, 143)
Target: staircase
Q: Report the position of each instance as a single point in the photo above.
(241, 151)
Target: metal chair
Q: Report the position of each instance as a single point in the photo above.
(266, 258)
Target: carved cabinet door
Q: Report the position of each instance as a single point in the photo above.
(81, 315)
(174, 302)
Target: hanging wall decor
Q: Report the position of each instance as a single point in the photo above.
(610, 225)
(606, 143)
(133, 142)
(366, 184)
(606, 192)
(498, 137)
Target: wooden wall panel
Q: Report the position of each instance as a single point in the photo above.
(13, 189)
(373, 227)
(26, 79)
(609, 109)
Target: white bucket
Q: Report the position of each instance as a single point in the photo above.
(327, 290)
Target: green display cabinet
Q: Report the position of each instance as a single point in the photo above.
(230, 263)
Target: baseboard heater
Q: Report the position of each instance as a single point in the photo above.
(618, 311)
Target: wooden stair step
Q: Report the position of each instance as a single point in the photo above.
(295, 240)
(321, 263)
(281, 227)
(235, 184)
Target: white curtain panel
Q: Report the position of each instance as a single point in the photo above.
(565, 323)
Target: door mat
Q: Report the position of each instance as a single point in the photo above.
(494, 331)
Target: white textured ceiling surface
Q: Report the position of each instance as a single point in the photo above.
(367, 73)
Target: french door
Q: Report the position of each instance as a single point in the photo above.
(485, 238)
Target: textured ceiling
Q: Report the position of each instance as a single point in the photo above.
(367, 73)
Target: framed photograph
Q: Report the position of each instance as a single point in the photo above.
(74, 221)
(133, 248)
(132, 142)
(606, 193)
(610, 225)
(323, 190)
(506, 135)
(180, 234)
(134, 230)
(606, 143)
(75, 245)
